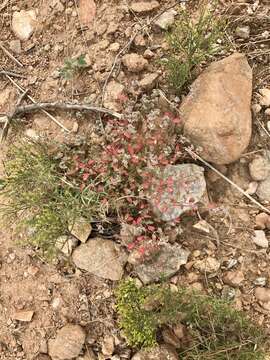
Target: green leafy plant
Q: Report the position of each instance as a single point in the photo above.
(71, 66)
(217, 330)
(191, 42)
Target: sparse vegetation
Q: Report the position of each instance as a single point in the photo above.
(192, 41)
(71, 66)
(216, 330)
(41, 201)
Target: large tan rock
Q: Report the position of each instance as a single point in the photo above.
(68, 343)
(217, 112)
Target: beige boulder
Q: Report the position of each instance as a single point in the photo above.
(217, 112)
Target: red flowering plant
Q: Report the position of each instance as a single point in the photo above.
(119, 173)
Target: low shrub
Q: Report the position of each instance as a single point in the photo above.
(217, 331)
(191, 42)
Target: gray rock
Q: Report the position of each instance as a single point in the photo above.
(24, 23)
(259, 168)
(165, 20)
(243, 32)
(217, 112)
(165, 264)
(162, 352)
(100, 257)
(263, 190)
(175, 189)
(260, 239)
(68, 343)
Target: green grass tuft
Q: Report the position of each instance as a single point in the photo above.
(217, 330)
(191, 42)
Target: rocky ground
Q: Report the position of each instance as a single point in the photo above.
(66, 310)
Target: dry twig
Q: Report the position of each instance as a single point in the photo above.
(34, 102)
(10, 116)
(196, 156)
(63, 106)
(10, 55)
(12, 73)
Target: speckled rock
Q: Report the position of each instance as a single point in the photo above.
(100, 257)
(163, 265)
(68, 343)
(217, 112)
(176, 189)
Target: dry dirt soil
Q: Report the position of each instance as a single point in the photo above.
(58, 293)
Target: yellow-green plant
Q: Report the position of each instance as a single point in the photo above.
(218, 331)
(191, 42)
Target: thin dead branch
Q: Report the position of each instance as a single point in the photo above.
(34, 102)
(10, 55)
(198, 157)
(63, 106)
(10, 116)
(12, 73)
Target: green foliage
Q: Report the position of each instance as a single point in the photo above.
(217, 330)
(40, 199)
(71, 66)
(192, 42)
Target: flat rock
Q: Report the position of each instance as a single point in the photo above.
(243, 32)
(176, 189)
(208, 265)
(260, 239)
(81, 229)
(112, 95)
(217, 112)
(23, 315)
(162, 352)
(259, 168)
(165, 264)
(166, 20)
(234, 278)
(148, 82)
(24, 23)
(87, 12)
(100, 257)
(141, 7)
(134, 62)
(68, 343)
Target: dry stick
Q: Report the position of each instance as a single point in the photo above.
(10, 116)
(10, 55)
(196, 156)
(33, 101)
(64, 106)
(11, 73)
